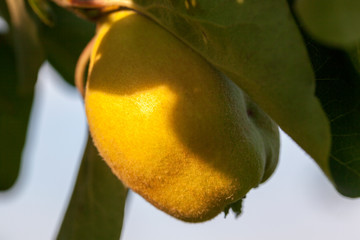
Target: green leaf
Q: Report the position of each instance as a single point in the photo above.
(14, 116)
(354, 54)
(4, 11)
(338, 87)
(96, 208)
(29, 55)
(64, 41)
(258, 45)
(42, 10)
(333, 22)
(18, 74)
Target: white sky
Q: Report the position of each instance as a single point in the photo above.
(297, 203)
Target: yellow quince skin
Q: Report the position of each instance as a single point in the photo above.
(170, 126)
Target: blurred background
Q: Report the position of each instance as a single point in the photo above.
(296, 203)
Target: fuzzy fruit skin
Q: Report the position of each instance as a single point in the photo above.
(170, 126)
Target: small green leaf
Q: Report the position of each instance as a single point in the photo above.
(236, 207)
(338, 87)
(96, 209)
(64, 41)
(333, 22)
(258, 45)
(14, 117)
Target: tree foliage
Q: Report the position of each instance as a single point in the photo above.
(298, 60)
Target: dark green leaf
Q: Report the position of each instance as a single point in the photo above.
(338, 87)
(354, 54)
(65, 40)
(333, 22)
(96, 208)
(14, 116)
(258, 45)
(42, 10)
(29, 55)
(20, 59)
(4, 11)
(337, 73)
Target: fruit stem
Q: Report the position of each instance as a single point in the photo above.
(81, 67)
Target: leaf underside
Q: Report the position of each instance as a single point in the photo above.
(338, 87)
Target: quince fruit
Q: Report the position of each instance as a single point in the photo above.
(170, 126)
